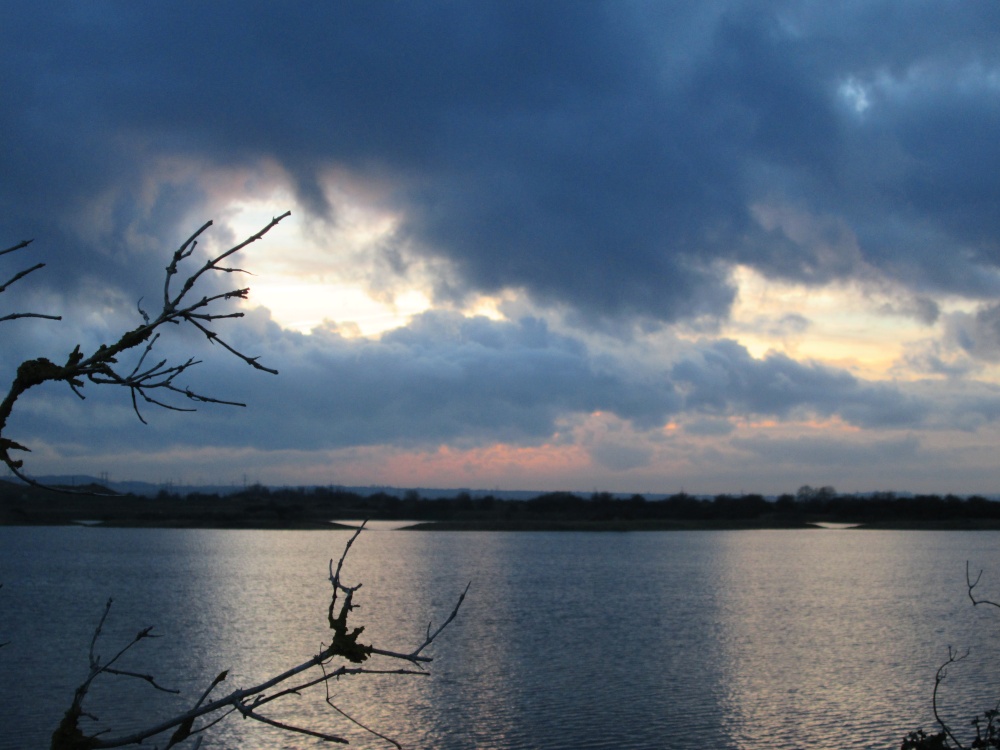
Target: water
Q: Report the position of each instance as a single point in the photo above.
(731, 639)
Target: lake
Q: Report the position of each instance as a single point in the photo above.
(818, 638)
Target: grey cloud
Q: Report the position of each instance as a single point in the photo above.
(620, 456)
(791, 324)
(930, 362)
(611, 159)
(884, 406)
(449, 378)
(803, 452)
(703, 427)
(794, 323)
(722, 379)
(921, 308)
(964, 405)
(603, 156)
(977, 334)
(444, 378)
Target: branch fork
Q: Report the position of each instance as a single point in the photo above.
(144, 383)
(319, 669)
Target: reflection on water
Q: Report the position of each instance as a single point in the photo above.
(835, 525)
(741, 639)
(376, 525)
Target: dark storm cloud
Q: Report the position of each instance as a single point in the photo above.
(444, 378)
(613, 157)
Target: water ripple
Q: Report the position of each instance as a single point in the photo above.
(785, 639)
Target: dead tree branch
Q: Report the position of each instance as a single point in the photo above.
(317, 670)
(987, 727)
(971, 585)
(144, 382)
(942, 672)
(17, 277)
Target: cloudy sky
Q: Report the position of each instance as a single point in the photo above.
(630, 246)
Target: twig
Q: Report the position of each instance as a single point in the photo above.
(248, 701)
(18, 246)
(250, 714)
(17, 277)
(942, 672)
(342, 712)
(414, 655)
(970, 584)
(143, 382)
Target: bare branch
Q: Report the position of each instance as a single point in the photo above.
(18, 246)
(414, 655)
(942, 672)
(102, 367)
(145, 677)
(342, 712)
(250, 714)
(987, 734)
(16, 316)
(248, 701)
(971, 585)
(214, 338)
(20, 275)
(17, 277)
(180, 254)
(212, 265)
(68, 734)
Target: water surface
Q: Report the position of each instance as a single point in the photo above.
(731, 639)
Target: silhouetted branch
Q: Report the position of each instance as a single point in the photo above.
(988, 732)
(248, 701)
(414, 655)
(17, 277)
(942, 672)
(101, 367)
(972, 585)
(353, 720)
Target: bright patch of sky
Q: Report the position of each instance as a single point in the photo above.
(855, 94)
(841, 324)
(305, 278)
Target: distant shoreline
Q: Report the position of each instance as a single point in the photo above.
(318, 508)
(537, 526)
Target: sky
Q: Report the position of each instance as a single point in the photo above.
(626, 246)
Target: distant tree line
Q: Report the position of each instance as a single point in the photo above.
(806, 504)
(258, 505)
